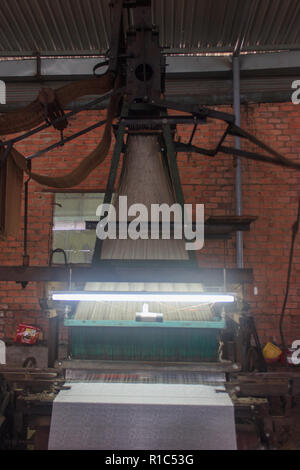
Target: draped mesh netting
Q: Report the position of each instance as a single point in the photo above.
(144, 180)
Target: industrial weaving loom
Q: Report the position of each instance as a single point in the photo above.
(150, 333)
(116, 333)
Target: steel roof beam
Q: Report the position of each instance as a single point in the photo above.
(127, 271)
(279, 63)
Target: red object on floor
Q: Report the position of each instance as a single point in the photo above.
(27, 334)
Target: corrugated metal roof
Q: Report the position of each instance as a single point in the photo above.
(83, 26)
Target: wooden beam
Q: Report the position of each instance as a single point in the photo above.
(259, 389)
(140, 366)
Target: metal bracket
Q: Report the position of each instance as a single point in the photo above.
(62, 118)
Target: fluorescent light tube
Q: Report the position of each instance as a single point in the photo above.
(113, 296)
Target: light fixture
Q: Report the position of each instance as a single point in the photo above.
(145, 315)
(114, 296)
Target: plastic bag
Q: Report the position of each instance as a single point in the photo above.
(27, 334)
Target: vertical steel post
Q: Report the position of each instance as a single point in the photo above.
(238, 170)
(53, 340)
(112, 177)
(25, 230)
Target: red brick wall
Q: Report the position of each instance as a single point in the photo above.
(269, 192)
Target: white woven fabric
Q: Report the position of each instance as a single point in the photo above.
(120, 416)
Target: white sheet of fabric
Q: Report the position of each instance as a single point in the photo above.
(120, 416)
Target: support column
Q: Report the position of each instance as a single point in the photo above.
(238, 170)
(53, 338)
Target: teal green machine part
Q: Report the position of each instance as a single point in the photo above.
(145, 341)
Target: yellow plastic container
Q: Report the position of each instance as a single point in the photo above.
(270, 351)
